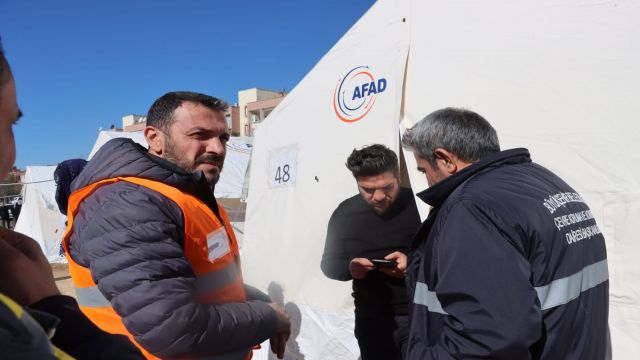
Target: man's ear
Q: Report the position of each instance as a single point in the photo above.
(446, 160)
(155, 139)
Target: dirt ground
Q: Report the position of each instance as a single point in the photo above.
(63, 279)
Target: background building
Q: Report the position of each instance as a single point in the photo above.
(134, 122)
(255, 105)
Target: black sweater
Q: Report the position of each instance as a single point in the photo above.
(355, 230)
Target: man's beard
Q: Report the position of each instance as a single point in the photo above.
(381, 211)
(212, 178)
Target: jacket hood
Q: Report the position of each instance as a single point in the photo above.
(124, 157)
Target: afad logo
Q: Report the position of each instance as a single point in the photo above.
(356, 93)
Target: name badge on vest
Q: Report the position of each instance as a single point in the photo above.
(218, 244)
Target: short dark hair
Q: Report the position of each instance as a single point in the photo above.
(372, 160)
(161, 112)
(460, 131)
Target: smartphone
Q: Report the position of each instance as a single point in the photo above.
(383, 263)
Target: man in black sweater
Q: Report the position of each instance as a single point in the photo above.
(378, 223)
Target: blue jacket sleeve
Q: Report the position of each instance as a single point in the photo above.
(483, 285)
(131, 240)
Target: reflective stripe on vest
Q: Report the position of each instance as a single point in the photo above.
(217, 280)
(558, 292)
(210, 247)
(92, 297)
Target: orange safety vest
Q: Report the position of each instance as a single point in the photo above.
(209, 246)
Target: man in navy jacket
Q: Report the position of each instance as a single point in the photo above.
(510, 263)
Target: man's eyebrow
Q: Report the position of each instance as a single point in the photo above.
(199, 129)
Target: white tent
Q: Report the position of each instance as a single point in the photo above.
(558, 77)
(40, 218)
(106, 135)
(235, 164)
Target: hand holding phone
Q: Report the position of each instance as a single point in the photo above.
(400, 265)
(383, 263)
(359, 267)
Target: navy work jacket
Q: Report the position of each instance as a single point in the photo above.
(510, 264)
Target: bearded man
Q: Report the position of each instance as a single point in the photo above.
(151, 253)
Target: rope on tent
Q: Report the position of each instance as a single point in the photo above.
(235, 228)
(243, 151)
(27, 183)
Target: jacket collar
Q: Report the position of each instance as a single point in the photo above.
(438, 193)
(194, 183)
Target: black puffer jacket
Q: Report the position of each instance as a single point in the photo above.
(131, 238)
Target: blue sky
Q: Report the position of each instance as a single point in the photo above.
(81, 65)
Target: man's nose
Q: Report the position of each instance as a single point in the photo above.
(215, 146)
(378, 195)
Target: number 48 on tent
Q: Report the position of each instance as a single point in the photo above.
(283, 166)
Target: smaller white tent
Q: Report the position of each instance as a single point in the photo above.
(235, 164)
(234, 176)
(235, 168)
(104, 136)
(40, 218)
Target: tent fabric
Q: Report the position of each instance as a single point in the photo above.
(561, 79)
(41, 220)
(557, 77)
(39, 217)
(106, 135)
(235, 165)
(304, 138)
